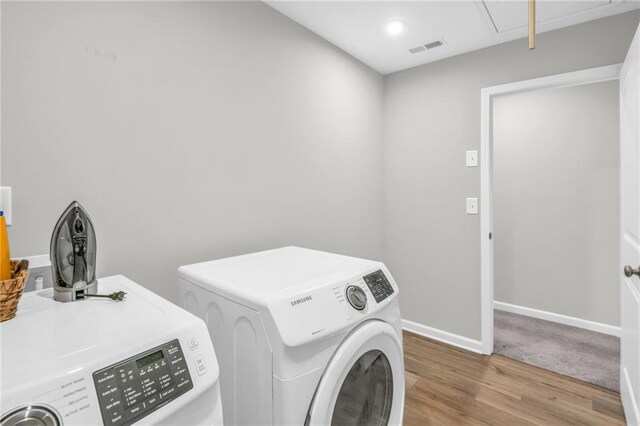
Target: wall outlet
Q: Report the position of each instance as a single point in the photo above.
(43, 272)
(472, 206)
(472, 158)
(39, 267)
(5, 203)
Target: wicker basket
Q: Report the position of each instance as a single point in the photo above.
(10, 292)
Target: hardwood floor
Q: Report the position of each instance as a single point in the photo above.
(450, 386)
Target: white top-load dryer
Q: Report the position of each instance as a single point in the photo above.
(302, 337)
(96, 361)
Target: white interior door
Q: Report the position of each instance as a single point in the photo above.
(630, 231)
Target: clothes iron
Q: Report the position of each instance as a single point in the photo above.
(73, 255)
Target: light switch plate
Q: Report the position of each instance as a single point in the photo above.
(5, 203)
(472, 158)
(472, 206)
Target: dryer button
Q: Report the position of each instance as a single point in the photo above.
(201, 367)
(193, 343)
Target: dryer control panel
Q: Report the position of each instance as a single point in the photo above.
(328, 305)
(379, 285)
(134, 388)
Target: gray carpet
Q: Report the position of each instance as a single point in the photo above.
(575, 352)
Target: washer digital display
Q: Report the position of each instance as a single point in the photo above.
(149, 359)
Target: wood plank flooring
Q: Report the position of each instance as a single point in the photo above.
(451, 386)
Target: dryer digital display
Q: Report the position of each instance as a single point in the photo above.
(133, 388)
(379, 285)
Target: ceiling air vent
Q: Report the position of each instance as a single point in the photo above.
(427, 46)
(433, 44)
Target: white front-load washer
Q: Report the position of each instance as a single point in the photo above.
(96, 361)
(303, 337)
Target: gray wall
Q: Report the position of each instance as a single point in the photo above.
(432, 116)
(556, 202)
(192, 131)
(189, 131)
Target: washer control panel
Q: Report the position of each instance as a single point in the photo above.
(133, 388)
(379, 285)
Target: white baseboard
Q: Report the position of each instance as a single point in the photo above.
(442, 336)
(559, 318)
(631, 411)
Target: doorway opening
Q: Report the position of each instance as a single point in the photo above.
(550, 222)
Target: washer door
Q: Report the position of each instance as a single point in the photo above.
(363, 384)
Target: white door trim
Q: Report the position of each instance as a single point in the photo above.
(593, 75)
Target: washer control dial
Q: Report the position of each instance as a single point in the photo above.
(356, 297)
(37, 414)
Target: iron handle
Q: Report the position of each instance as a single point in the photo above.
(629, 271)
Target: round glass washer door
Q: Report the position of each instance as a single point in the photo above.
(363, 384)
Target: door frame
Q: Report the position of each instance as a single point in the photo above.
(576, 78)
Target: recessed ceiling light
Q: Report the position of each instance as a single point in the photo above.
(396, 27)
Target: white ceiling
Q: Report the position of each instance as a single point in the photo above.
(358, 27)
